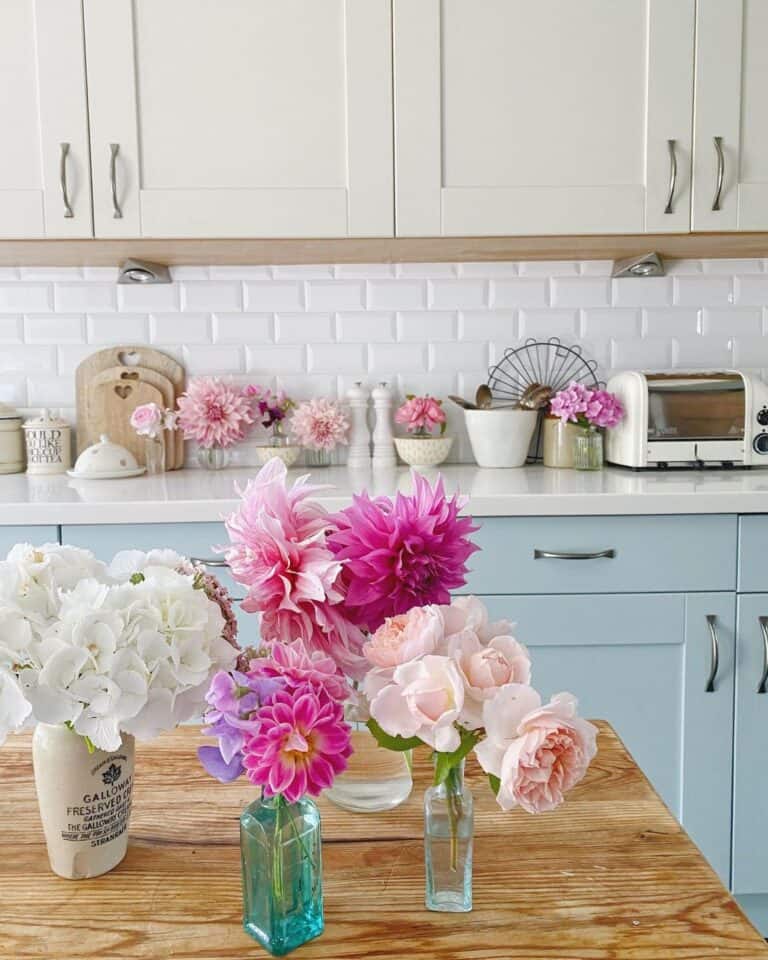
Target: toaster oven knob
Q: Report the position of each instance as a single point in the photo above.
(760, 443)
(762, 417)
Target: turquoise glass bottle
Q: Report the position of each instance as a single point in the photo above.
(282, 873)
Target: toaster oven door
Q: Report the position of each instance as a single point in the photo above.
(704, 407)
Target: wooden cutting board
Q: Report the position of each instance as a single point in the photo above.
(132, 376)
(127, 357)
(113, 401)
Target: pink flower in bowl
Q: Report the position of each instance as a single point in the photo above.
(420, 415)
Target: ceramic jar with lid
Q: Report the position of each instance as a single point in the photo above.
(11, 441)
(48, 444)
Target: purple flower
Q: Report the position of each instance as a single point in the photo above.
(580, 404)
(217, 766)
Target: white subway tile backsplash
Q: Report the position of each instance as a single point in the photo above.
(434, 327)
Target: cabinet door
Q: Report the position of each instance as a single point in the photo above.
(520, 117)
(731, 82)
(750, 785)
(44, 171)
(10, 536)
(642, 662)
(240, 118)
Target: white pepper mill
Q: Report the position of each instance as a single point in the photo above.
(359, 450)
(383, 443)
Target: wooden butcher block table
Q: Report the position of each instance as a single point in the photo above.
(609, 875)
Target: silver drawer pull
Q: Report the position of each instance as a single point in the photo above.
(763, 621)
(715, 661)
(718, 141)
(68, 212)
(557, 555)
(114, 149)
(672, 175)
(208, 562)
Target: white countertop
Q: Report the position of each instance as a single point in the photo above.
(199, 495)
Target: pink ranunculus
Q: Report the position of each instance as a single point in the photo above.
(420, 414)
(487, 668)
(405, 637)
(469, 613)
(147, 420)
(537, 752)
(423, 700)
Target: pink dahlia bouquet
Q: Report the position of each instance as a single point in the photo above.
(320, 424)
(279, 719)
(420, 415)
(587, 407)
(214, 413)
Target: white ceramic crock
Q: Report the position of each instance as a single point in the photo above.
(11, 441)
(423, 451)
(84, 799)
(48, 444)
(500, 437)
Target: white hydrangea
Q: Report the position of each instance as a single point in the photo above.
(126, 648)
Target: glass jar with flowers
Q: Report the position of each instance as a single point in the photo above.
(271, 407)
(320, 426)
(371, 561)
(150, 421)
(216, 414)
(421, 416)
(463, 688)
(279, 719)
(95, 665)
(592, 410)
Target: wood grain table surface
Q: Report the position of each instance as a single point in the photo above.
(611, 874)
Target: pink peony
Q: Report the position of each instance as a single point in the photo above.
(423, 700)
(278, 551)
(401, 554)
(537, 752)
(320, 424)
(421, 415)
(297, 666)
(214, 413)
(301, 745)
(147, 420)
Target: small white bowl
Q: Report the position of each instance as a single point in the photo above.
(289, 454)
(500, 437)
(423, 451)
(105, 461)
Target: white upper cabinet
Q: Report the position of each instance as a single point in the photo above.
(240, 118)
(542, 116)
(730, 190)
(44, 172)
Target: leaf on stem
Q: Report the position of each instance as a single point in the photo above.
(389, 742)
(445, 762)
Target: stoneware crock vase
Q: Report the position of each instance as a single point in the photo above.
(84, 799)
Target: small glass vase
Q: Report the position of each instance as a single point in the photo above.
(448, 832)
(588, 449)
(375, 779)
(282, 873)
(212, 458)
(317, 458)
(154, 454)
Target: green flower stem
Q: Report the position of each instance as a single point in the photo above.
(454, 789)
(277, 853)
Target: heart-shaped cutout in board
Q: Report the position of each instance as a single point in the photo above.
(123, 391)
(129, 376)
(129, 358)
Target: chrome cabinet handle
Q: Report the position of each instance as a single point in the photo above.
(114, 149)
(763, 621)
(718, 141)
(557, 555)
(68, 212)
(208, 562)
(672, 175)
(715, 661)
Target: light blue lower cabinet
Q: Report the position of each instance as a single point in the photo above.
(750, 769)
(642, 662)
(10, 536)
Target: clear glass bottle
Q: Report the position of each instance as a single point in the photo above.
(212, 458)
(588, 449)
(154, 454)
(375, 779)
(282, 873)
(448, 831)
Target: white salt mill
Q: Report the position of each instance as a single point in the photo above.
(383, 443)
(359, 451)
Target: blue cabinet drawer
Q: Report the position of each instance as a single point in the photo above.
(10, 536)
(753, 554)
(530, 555)
(189, 539)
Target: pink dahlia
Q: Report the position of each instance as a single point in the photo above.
(297, 667)
(279, 553)
(214, 413)
(401, 554)
(320, 424)
(301, 745)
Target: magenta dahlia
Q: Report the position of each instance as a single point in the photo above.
(401, 554)
(301, 745)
